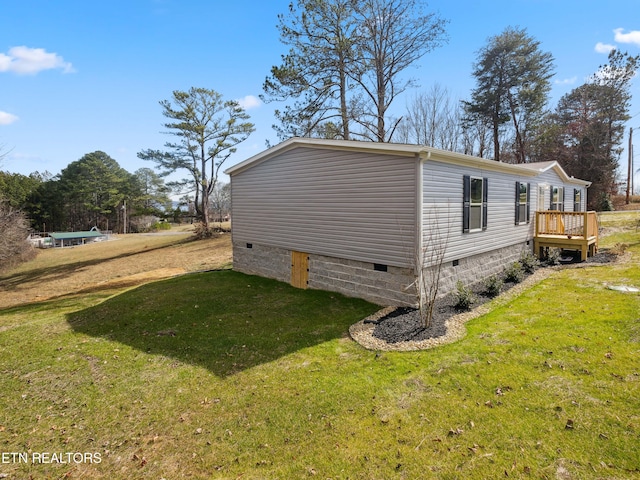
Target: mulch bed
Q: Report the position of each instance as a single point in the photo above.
(403, 324)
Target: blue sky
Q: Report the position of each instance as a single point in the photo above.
(80, 76)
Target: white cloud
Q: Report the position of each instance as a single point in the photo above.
(7, 118)
(566, 81)
(249, 102)
(632, 37)
(604, 47)
(29, 61)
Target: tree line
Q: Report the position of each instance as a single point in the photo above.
(584, 132)
(346, 64)
(96, 191)
(345, 67)
(91, 191)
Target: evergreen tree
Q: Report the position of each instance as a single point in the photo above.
(92, 190)
(345, 64)
(314, 73)
(586, 130)
(513, 82)
(16, 188)
(153, 194)
(208, 129)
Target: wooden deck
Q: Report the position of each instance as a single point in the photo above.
(568, 230)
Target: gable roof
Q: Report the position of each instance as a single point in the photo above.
(542, 167)
(412, 151)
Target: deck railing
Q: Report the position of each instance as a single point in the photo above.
(578, 224)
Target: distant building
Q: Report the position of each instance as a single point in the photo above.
(68, 239)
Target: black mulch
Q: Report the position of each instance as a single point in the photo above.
(404, 324)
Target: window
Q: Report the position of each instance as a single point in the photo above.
(523, 199)
(474, 218)
(577, 200)
(557, 199)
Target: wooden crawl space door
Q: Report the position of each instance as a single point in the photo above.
(299, 269)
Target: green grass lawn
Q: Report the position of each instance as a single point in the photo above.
(224, 375)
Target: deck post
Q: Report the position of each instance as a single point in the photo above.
(573, 238)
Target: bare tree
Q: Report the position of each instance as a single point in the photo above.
(433, 118)
(392, 35)
(3, 153)
(429, 260)
(221, 201)
(476, 136)
(346, 64)
(14, 230)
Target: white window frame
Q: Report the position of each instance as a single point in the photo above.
(477, 205)
(523, 214)
(557, 193)
(577, 199)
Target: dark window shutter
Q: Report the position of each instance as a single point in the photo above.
(564, 197)
(528, 203)
(517, 203)
(466, 203)
(551, 198)
(485, 196)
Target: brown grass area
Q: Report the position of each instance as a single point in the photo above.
(125, 262)
(620, 202)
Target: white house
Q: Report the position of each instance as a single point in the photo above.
(360, 217)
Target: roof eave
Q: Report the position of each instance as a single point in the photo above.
(348, 145)
(420, 151)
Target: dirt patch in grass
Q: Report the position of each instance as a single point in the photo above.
(125, 262)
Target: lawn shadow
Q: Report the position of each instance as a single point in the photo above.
(222, 320)
(12, 281)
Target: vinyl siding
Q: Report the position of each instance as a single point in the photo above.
(551, 179)
(352, 205)
(442, 210)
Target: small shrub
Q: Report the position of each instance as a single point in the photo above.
(553, 256)
(619, 248)
(605, 204)
(529, 262)
(161, 226)
(514, 273)
(14, 230)
(493, 286)
(464, 297)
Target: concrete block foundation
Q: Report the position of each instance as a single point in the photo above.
(369, 281)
